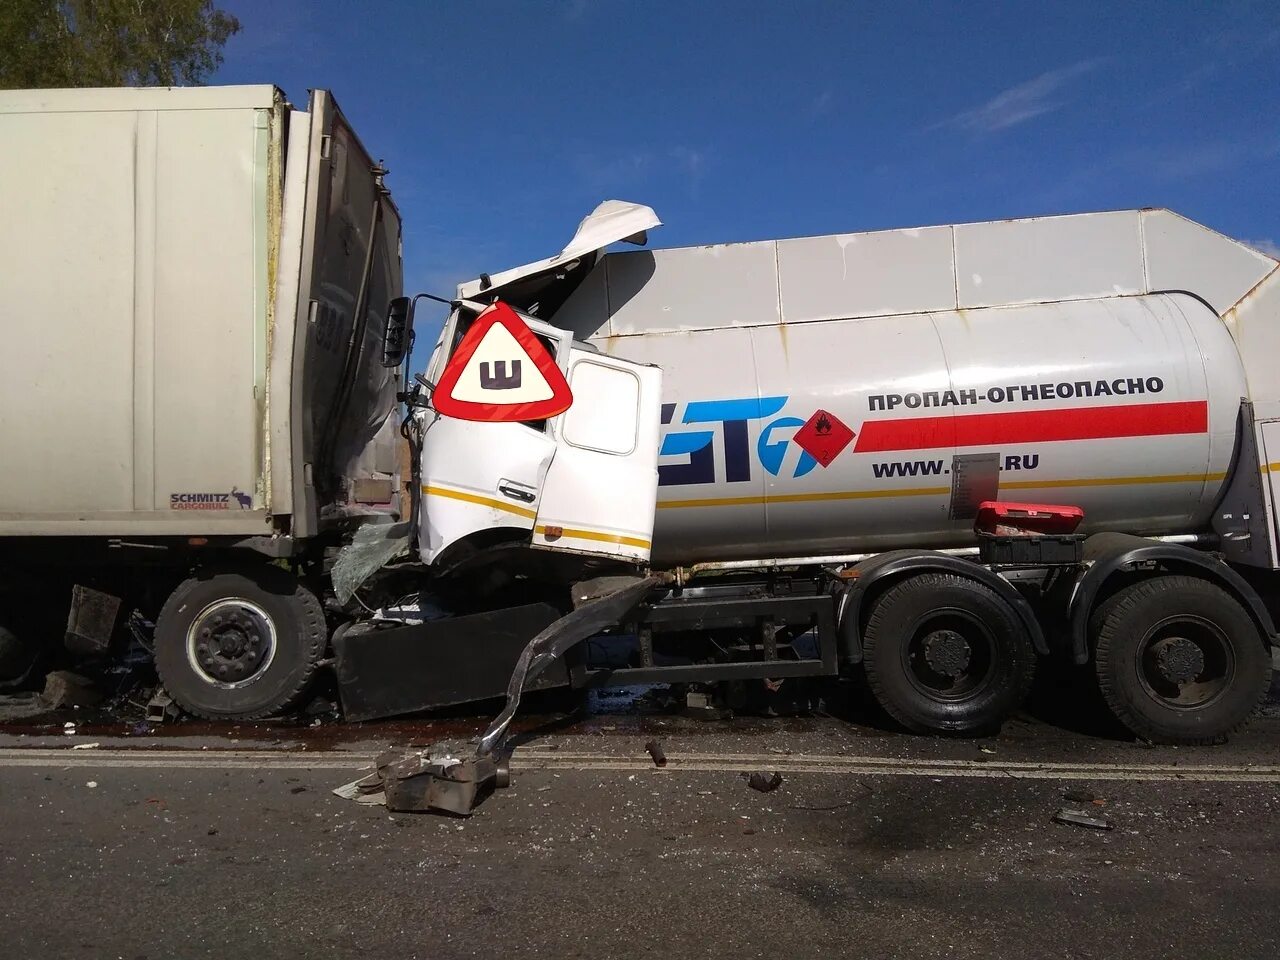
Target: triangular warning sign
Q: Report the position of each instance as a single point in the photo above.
(501, 372)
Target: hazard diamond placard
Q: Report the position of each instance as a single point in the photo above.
(823, 437)
(501, 372)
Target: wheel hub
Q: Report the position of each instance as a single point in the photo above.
(231, 642)
(1179, 660)
(947, 653)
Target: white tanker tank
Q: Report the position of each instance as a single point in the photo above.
(865, 391)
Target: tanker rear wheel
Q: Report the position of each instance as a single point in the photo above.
(946, 654)
(1179, 660)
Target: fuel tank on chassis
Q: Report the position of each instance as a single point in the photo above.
(866, 434)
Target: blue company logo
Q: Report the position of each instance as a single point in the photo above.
(733, 416)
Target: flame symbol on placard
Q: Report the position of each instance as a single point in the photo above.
(823, 425)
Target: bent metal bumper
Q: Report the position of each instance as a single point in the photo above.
(438, 779)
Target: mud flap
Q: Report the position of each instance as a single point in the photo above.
(437, 780)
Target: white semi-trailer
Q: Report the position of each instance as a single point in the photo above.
(193, 286)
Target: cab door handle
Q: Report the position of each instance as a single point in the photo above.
(521, 493)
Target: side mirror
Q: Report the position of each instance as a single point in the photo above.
(399, 332)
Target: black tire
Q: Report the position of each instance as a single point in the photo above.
(18, 657)
(928, 680)
(218, 629)
(1179, 660)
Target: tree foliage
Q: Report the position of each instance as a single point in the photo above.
(110, 43)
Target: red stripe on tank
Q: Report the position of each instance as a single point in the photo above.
(1037, 426)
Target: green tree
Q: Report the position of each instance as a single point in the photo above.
(110, 43)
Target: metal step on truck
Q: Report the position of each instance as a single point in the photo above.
(929, 457)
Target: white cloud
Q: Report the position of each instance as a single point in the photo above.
(1020, 103)
(689, 160)
(1263, 245)
(1197, 160)
(604, 171)
(819, 105)
(624, 169)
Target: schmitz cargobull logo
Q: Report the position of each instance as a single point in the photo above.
(235, 499)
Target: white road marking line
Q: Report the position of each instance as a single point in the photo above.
(781, 759)
(531, 759)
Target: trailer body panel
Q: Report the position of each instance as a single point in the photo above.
(150, 299)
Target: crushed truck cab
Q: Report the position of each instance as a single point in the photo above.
(583, 482)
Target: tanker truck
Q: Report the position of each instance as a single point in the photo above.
(931, 457)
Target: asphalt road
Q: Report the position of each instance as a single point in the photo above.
(230, 844)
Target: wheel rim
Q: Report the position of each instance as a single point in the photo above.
(231, 643)
(950, 655)
(1185, 662)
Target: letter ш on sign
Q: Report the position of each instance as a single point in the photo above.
(499, 379)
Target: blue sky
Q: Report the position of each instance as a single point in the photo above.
(504, 123)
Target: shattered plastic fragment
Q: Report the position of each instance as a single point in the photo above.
(764, 782)
(366, 790)
(1081, 818)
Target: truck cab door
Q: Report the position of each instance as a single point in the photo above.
(482, 482)
(600, 493)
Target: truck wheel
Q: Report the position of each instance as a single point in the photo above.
(1179, 660)
(945, 654)
(239, 645)
(18, 655)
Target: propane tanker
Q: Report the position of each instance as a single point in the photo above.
(832, 394)
(838, 411)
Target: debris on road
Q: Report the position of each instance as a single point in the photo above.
(837, 806)
(1081, 818)
(764, 782)
(700, 706)
(86, 746)
(161, 707)
(322, 708)
(434, 780)
(62, 688)
(367, 790)
(655, 750)
(92, 620)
